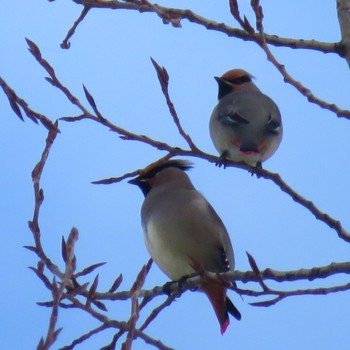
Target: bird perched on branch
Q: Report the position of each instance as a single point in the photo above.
(245, 126)
(183, 233)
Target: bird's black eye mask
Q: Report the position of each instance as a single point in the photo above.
(225, 85)
(240, 80)
(145, 186)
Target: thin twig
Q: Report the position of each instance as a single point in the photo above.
(280, 295)
(65, 43)
(155, 312)
(135, 290)
(58, 292)
(17, 103)
(85, 337)
(35, 51)
(163, 78)
(39, 197)
(113, 343)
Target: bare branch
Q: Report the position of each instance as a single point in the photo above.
(280, 295)
(39, 197)
(155, 312)
(311, 274)
(133, 173)
(85, 337)
(164, 83)
(88, 269)
(113, 343)
(17, 103)
(175, 15)
(116, 284)
(257, 272)
(135, 290)
(65, 43)
(35, 51)
(309, 205)
(57, 292)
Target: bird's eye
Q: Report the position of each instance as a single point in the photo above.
(234, 118)
(273, 126)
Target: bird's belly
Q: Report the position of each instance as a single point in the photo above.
(167, 252)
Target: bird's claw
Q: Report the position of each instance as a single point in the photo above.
(257, 167)
(223, 160)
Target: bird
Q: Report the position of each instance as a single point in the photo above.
(182, 231)
(245, 125)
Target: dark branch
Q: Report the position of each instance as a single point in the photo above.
(175, 15)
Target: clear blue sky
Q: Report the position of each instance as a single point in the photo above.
(110, 55)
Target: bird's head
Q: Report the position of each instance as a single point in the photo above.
(158, 173)
(235, 80)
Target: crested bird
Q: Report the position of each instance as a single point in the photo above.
(182, 232)
(245, 125)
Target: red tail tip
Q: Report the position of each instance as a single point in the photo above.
(224, 326)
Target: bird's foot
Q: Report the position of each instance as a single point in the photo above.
(168, 287)
(183, 280)
(257, 167)
(223, 160)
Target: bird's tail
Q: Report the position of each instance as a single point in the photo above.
(222, 305)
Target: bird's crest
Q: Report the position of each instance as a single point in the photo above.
(237, 76)
(154, 168)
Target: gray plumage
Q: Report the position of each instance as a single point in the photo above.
(182, 230)
(246, 125)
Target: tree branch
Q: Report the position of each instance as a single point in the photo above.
(65, 43)
(17, 103)
(175, 15)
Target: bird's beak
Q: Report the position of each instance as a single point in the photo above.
(222, 81)
(142, 184)
(136, 181)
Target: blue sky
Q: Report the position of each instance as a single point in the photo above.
(110, 54)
